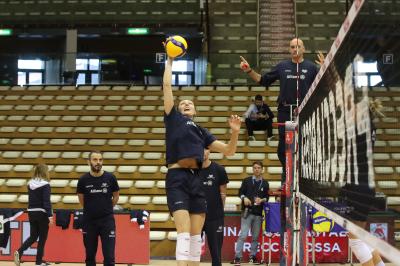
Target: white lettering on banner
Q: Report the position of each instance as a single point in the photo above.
(329, 135)
(233, 231)
(328, 234)
(264, 247)
(340, 132)
(274, 247)
(327, 145)
(332, 158)
(363, 127)
(324, 247)
(350, 118)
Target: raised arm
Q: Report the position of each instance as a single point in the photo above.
(167, 87)
(245, 66)
(229, 148)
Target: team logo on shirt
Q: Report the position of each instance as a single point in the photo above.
(295, 76)
(104, 185)
(211, 176)
(209, 181)
(304, 70)
(191, 123)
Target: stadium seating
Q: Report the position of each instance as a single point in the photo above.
(19, 12)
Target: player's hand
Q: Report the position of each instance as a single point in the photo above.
(244, 65)
(170, 59)
(235, 122)
(246, 201)
(321, 59)
(51, 222)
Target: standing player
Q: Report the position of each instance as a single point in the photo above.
(39, 212)
(98, 192)
(295, 73)
(185, 144)
(286, 73)
(214, 179)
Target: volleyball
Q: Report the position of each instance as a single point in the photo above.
(321, 223)
(175, 46)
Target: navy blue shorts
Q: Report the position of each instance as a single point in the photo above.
(185, 191)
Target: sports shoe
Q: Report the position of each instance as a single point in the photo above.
(17, 259)
(251, 138)
(44, 263)
(253, 260)
(236, 261)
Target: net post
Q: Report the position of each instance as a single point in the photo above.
(289, 195)
(303, 235)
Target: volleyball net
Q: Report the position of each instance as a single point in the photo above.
(337, 125)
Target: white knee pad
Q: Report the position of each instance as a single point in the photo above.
(195, 248)
(182, 246)
(360, 250)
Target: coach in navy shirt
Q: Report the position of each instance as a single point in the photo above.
(185, 144)
(98, 192)
(214, 180)
(286, 73)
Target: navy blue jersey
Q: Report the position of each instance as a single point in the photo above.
(184, 138)
(97, 192)
(212, 177)
(286, 73)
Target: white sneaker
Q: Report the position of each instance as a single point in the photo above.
(44, 264)
(17, 259)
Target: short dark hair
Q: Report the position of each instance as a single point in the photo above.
(94, 151)
(258, 97)
(259, 163)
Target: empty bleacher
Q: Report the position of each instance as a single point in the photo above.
(147, 12)
(58, 125)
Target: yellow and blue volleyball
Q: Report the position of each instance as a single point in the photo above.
(321, 223)
(176, 46)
